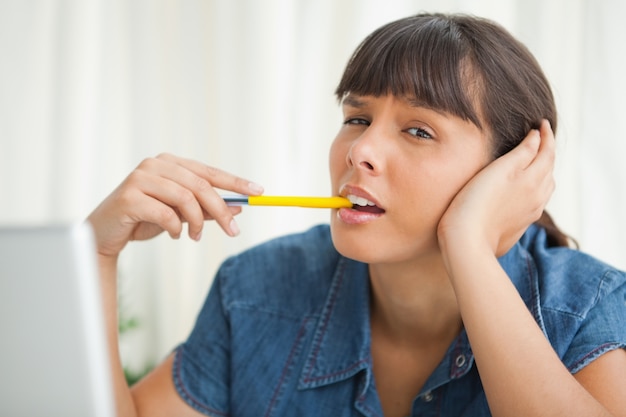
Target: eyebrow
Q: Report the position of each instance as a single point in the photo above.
(353, 101)
(415, 102)
(419, 103)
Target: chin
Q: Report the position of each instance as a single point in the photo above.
(371, 245)
(358, 244)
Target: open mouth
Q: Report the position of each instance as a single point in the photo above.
(364, 205)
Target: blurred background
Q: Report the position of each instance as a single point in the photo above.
(89, 88)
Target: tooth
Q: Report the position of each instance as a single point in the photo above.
(359, 201)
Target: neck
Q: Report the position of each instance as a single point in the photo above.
(414, 305)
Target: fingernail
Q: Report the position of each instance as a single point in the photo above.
(255, 188)
(234, 228)
(198, 236)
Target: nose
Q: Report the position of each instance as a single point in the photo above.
(365, 152)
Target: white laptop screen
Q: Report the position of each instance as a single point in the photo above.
(53, 359)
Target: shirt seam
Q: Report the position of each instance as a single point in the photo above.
(598, 295)
(564, 312)
(594, 354)
(299, 336)
(260, 309)
(189, 398)
(334, 374)
(536, 304)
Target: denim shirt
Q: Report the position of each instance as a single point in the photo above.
(285, 330)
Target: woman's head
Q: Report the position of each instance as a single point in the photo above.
(481, 88)
(462, 65)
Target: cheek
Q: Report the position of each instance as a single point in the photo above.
(445, 184)
(429, 188)
(336, 160)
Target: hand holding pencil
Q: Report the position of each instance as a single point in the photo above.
(164, 192)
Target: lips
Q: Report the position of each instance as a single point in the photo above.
(365, 208)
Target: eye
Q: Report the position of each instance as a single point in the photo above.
(356, 121)
(419, 133)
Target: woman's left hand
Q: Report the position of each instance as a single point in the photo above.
(504, 198)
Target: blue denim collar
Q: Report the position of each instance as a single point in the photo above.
(340, 346)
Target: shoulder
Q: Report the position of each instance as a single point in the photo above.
(578, 300)
(288, 273)
(569, 280)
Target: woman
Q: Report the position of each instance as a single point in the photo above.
(445, 289)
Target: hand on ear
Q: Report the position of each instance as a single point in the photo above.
(504, 198)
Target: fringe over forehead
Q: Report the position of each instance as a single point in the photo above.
(423, 58)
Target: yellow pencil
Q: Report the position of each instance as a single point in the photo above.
(266, 200)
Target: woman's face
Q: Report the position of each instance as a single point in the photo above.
(403, 164)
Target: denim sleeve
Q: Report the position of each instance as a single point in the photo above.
(604, 327)
(201, 364)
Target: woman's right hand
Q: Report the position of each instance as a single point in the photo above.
(161, 194)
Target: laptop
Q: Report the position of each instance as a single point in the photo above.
(53, 351)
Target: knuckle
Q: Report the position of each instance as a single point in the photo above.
(132, 180)
(166, 156)
(212, 171)
(185, 196)
(223, 217)
(148, 164)
(124, 197)
(123, 200)
(241, 183)
(202, 185)
(167, 215)
(126, 194)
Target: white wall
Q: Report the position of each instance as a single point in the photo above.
(89, 88)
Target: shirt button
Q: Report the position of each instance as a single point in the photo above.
(428, 396)
(460, 361)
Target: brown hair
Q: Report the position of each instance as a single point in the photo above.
(463, 65)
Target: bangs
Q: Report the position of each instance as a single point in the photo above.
(421, 59)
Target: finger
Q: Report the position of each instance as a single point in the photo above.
(546, 153)
(541, 169)
(201, 179)
(180, 198)
(217, 177)
(206, 197)
(196, 195)
(147, 209)
(234, 210)
(522, 156)
(528, 149)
